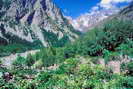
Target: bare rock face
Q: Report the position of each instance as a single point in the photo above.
(115, 65)
(36, 22)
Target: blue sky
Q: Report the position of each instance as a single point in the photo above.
(75, 8)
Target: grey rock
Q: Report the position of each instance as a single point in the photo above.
(32, 21)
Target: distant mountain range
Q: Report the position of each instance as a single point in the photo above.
(86, 21)
(91, 19)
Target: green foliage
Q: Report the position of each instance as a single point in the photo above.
(20, 61)
(30, 60)
(21, 72)
(128, 82)
(109, 42)
(109, 37)
(11, 48)
(46, 57)
(9, 86)
(126, 48)
(53, 39)
(110, 56)
(75, 74)
(128, 67)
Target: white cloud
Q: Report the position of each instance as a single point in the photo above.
(111, 3)
(95, 8)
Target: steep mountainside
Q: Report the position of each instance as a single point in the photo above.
(33, 22)
(127, 12)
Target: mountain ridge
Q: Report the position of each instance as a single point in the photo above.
(29, 20)
(89, 20)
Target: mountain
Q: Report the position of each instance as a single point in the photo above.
(33, 23)
(127, 12)
(91, 19)
(101, 59)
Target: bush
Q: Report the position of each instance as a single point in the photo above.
(126, 48)
(20, 62)
(127, 82)
(11, 49)
(109, 37)
(76, 74)
(128, 67)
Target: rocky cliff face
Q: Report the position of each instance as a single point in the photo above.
(33, 22)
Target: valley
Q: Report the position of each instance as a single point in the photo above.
(40, 48)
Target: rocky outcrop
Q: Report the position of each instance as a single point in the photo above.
(115, 65)
(34, 22)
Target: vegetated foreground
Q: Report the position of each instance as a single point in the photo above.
(102, 59)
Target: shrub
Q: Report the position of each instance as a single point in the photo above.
(20, 61)
(127, 82)
(128, 67)
(75, 74)
(109, 37)
(126, 48)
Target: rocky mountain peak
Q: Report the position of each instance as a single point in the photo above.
(35, 20)
(20, 8)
